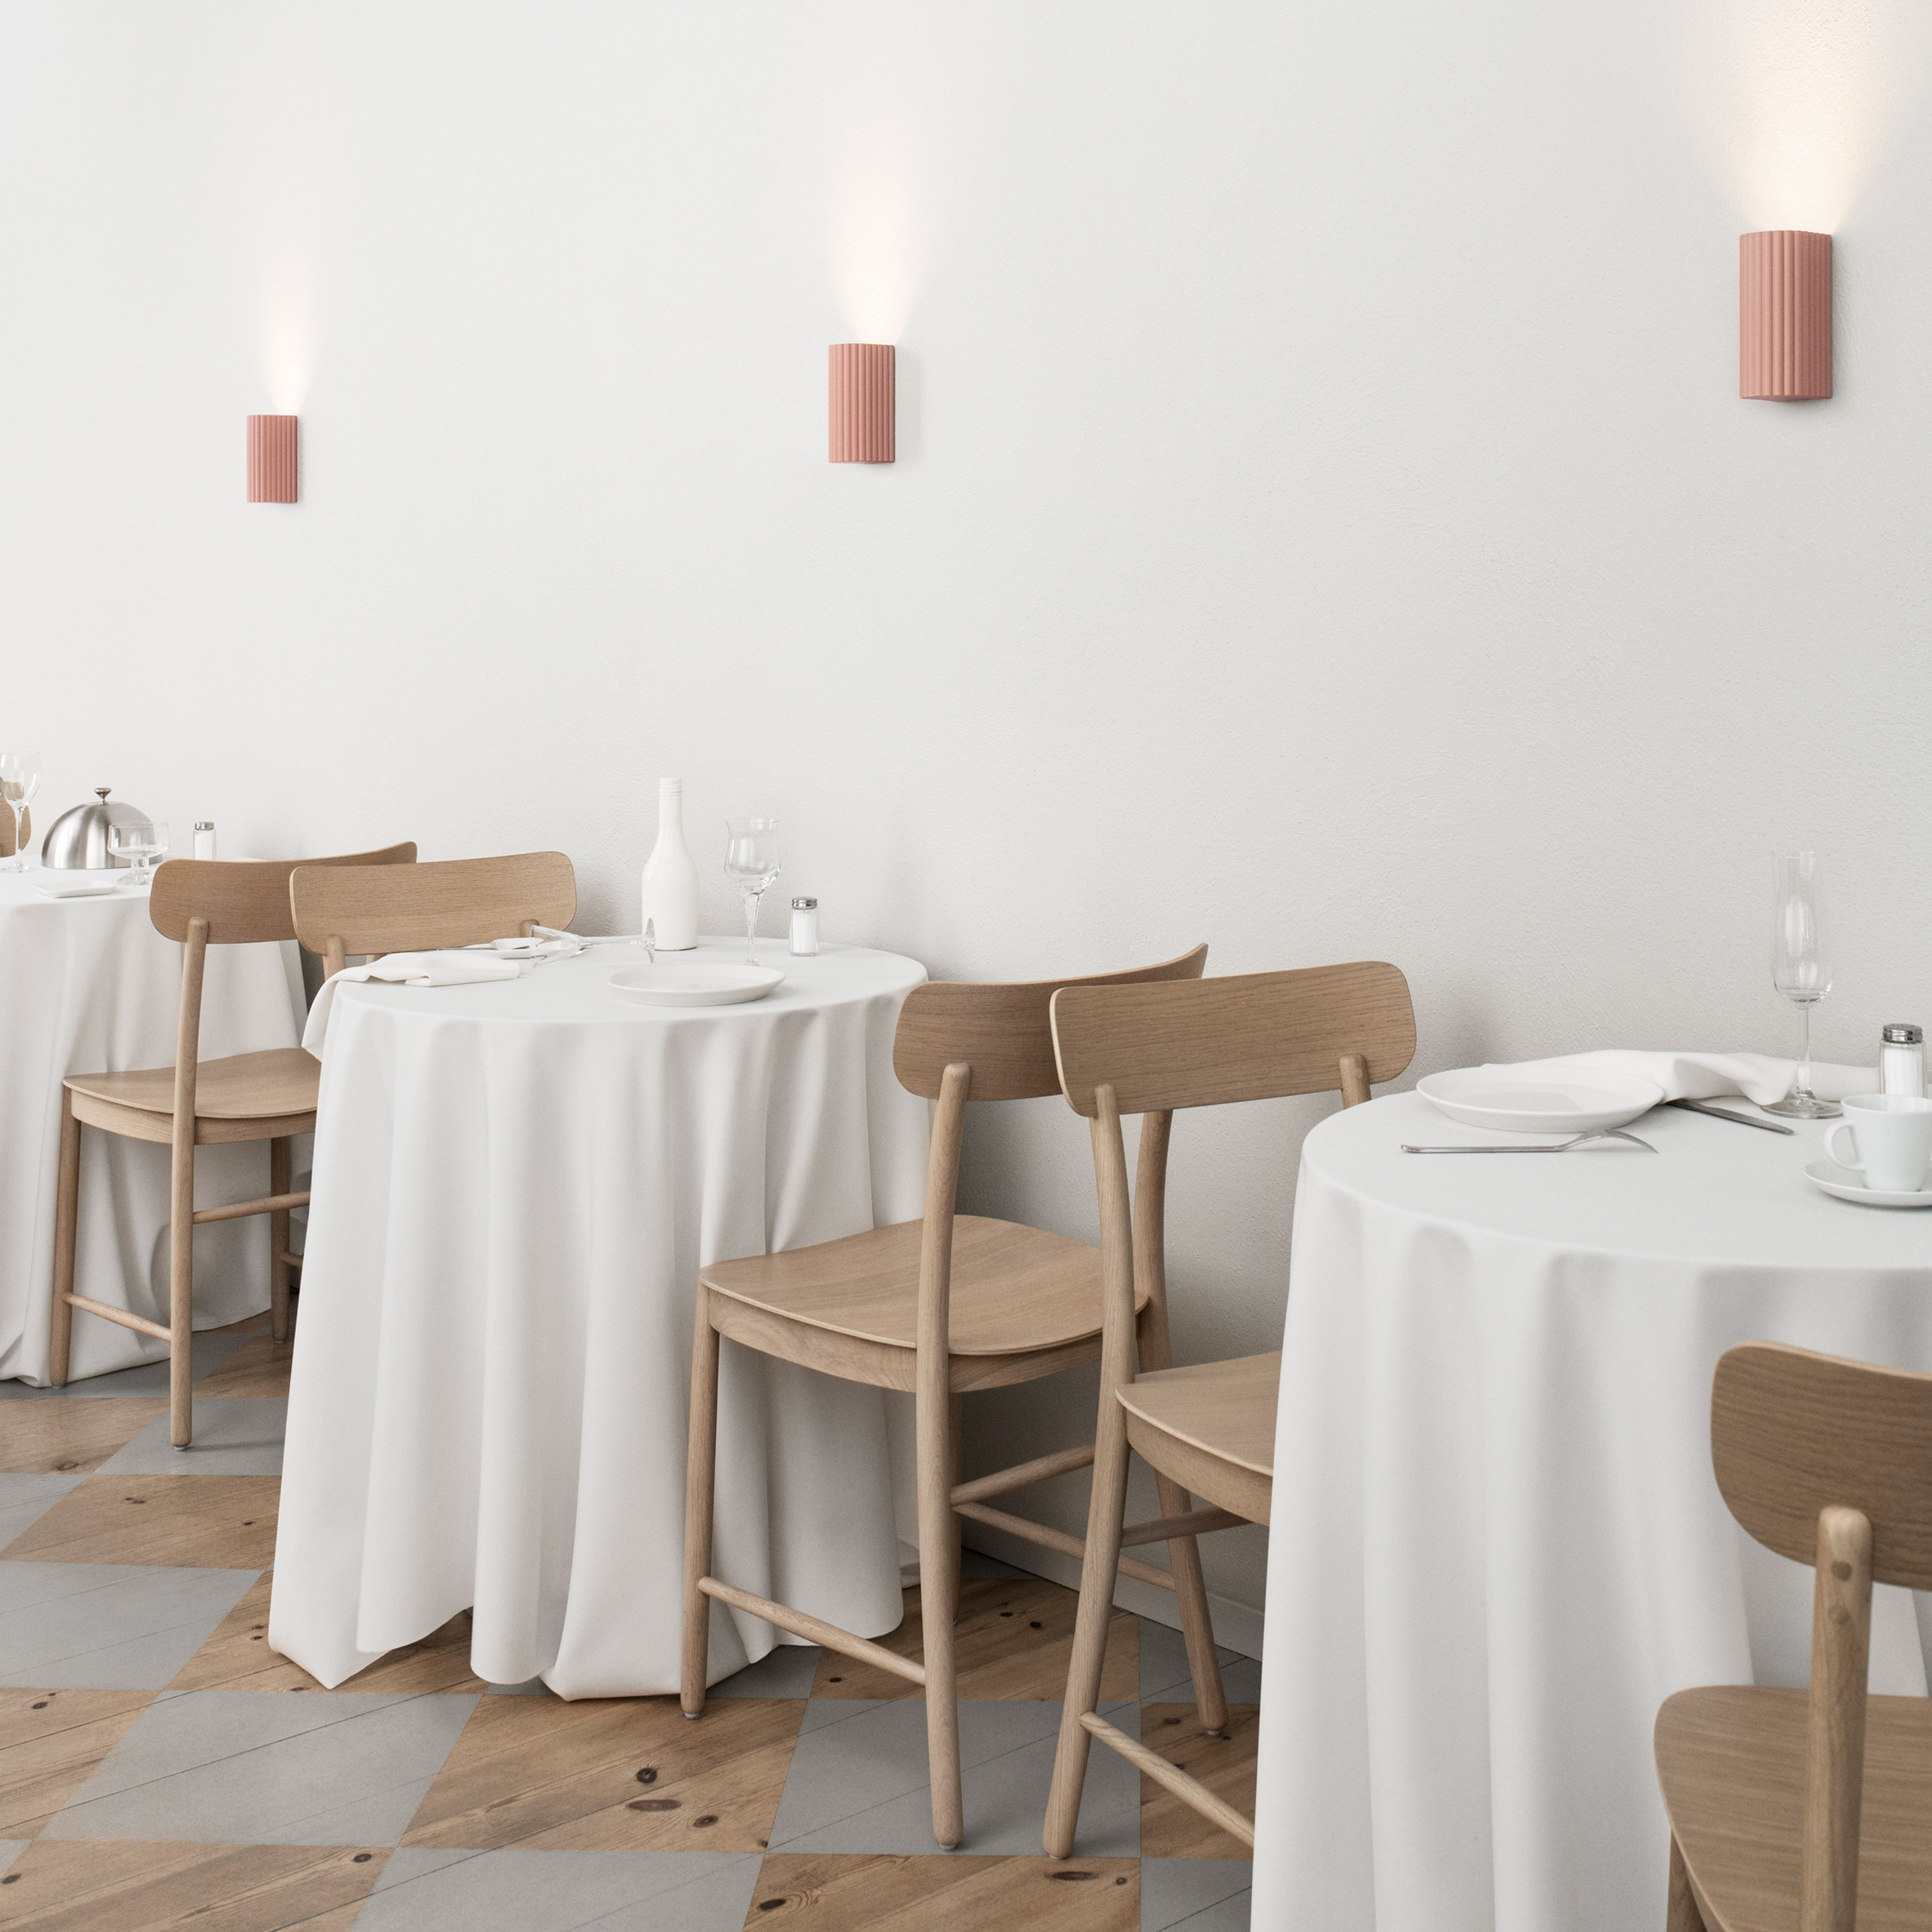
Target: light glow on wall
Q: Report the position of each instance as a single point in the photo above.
(878, 229)
(285, 327)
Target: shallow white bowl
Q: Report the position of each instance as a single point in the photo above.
(1494, 1096)
(1849, 1184)
(667, 984)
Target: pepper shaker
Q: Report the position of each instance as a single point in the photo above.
(204, 838)
(804, 927)
(1902, 1060)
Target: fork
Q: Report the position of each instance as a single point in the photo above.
(1563, 1147)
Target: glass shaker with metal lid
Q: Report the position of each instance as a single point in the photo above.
(1902, 1060)
(77, 840)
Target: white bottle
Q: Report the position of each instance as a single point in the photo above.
(671, 875)
(804, 928)
(205, 838)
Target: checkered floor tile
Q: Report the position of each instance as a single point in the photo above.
(153, 1772)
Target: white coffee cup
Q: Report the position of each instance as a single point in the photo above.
(1891, 1141)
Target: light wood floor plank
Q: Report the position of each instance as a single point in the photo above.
(260, 1366)
(219, 1522)
(64, 1435)
(1170, 1828)
(825, 1893)
(50, 1742)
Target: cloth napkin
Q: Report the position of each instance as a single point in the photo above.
(1758, 1077)
(411, 969)
(88, 885)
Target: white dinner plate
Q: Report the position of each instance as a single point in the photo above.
(699, 983)
(1849, 1184)
(1495, 1096)
(82, 887)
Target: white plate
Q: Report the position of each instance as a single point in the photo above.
(696, 985)
(1848, 1184)
(83, 888)
(1494, 1096)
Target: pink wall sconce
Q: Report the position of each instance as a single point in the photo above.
(271, 459)
(1784, 315)
(861, 402)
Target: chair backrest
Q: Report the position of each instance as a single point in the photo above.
(1793, 1434)
(6, 846)
(451, 902)
(1253, 1036)
(242, 900)
(1003, 1033)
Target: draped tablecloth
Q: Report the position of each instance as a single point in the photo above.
(88, 985)
(514, 1187)
(1498, 1544)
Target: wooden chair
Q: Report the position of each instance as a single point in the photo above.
(451, 902)
(939, 1306)
(7, 844)
(1811, 1811)
(1209, 1429)
(267, 1096)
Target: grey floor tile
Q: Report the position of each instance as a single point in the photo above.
(24, 1500)
(786, 1672)
(821, 1711)
(1165, 1677)
(1204, 1894)
(859, 1785)
(536, 1688)
(558, 1891)
(212, 1348)
(107, 1627)
(234, 1436)
(238, 1767)
(974, 1565)
(11, 1849)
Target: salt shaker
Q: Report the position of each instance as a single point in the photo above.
(1902, 1060)
(804, 927)
(204, 838)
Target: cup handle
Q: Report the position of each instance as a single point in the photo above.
(1831, 1147)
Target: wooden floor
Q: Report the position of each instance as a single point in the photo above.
(157, 1771)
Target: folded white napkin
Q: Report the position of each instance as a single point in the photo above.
(76, 885)
(1758, 1077)
(564, 945)
(409, 969)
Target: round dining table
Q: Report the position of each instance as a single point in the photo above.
(88, 985)
(515, 1184)
(1498, 1544)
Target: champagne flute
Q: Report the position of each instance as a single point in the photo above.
(751, 858)
(1800, 965)
(19, 778)
(143, 844)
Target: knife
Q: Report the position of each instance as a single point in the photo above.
(1718, 1113)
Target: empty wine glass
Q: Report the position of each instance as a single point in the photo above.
(1800, 965)
(19, 778)
(751, 858)
(143, 844)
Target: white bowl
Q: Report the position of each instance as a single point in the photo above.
(670, 983)
(1495, 1096)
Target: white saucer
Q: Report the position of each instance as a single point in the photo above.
(670, 984)
(1495, 1096)
(1848, 1185)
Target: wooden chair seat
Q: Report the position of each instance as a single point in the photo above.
(1019, 1293)
(242, 1091)
(1731, 1761)
(1210, 1427)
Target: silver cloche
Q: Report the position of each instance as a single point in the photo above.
(77, 840)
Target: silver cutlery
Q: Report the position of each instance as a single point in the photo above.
(1720, 1113)
(1562, 1147)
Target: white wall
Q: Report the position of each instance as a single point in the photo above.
(1324, 523)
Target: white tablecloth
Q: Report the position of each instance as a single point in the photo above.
(514, 1187)
(1498, 1544)
(88, 985)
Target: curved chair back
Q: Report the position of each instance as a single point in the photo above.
(451, 902)
(1252, 1036)
(244, 899)
(1003, 1033)
(7, 830)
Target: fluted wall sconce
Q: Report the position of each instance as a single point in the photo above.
(271, 459)
(1784, 315)
(861, 402)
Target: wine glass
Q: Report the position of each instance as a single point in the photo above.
(1800, 965)
(142, 843)
(19, 778)
(751, 857)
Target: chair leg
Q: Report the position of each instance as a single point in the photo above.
(956, 1421)
(1683, 1915)
(66, 1227)
(701, 1485)
(1099, 1568)
(939, 1587)
(181, 1300)
(280, 1166)
(1203, 1660)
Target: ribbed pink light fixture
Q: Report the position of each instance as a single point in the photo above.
(861, 402)
(271, 459)
(1784, 315)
